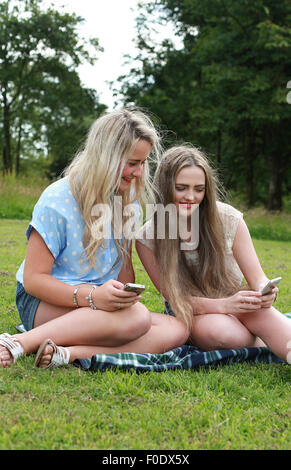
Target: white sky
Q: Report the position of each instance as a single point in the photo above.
(113, 23)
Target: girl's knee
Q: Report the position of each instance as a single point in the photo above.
(234, 339)
(138, 324)
(142, 320)
(221, 333)
(182, 333)
(173, 334)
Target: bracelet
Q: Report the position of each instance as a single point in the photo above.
(75, 302)
(91, 303)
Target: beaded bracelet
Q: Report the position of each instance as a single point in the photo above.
(75, 302)
(91, 303)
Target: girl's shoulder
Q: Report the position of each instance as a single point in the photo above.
(57, 196)
(59, 188)
(230, 218)
(228, 211)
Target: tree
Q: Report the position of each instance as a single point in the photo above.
(39, 85)
(225, 89)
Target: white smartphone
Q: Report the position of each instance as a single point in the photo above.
(272, 283)
(130, 287)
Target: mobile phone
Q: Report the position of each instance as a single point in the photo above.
(130, 287)
(272, 283)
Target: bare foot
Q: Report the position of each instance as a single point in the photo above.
(46, 356)
(6, 358)
(51, 355)
(10, 349)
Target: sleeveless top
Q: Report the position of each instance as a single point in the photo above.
(230, 218)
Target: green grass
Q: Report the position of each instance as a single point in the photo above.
(269, 226)
(241, 406)
(18, 195)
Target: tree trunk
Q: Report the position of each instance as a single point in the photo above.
(250, 184)
(17, 161)
(275, 184)
(250, 155)
(218, 148)
(7, 156)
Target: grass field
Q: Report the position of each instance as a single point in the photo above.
(241, 406)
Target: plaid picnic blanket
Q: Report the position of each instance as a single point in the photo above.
(184, 357)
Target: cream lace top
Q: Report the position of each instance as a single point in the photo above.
(230, 218)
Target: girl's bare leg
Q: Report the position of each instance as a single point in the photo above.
(273, 327)
(165, 333)
(217, 331)
(85, 326)
(105, 330)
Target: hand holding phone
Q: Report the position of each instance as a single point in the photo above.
(137, 288)
(269, 286)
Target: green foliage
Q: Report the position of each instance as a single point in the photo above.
(44, 106)
(225, 89)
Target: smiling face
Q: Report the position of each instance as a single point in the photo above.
(135, 164)
(190, 186)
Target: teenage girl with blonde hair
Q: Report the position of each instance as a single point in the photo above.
(70, 293)
(202, 285)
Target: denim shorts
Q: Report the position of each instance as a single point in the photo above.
(27, 306)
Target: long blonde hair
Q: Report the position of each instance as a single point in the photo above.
(180, 279)
(95, 173)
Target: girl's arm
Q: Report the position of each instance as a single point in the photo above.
(148, 259)
(39, 283)
(243, 301)
(127, 272)
(37, 280)
(149, 262)
(201, 305)
(246, 257)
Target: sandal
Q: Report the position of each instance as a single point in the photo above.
(60, 356)
(12, 345)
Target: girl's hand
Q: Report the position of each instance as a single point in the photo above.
(111, 296)
(242, 302)
(269, 299)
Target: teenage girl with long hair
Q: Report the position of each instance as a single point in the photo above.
(201, 283)
(70, 293)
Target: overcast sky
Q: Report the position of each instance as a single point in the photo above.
(113, 23)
